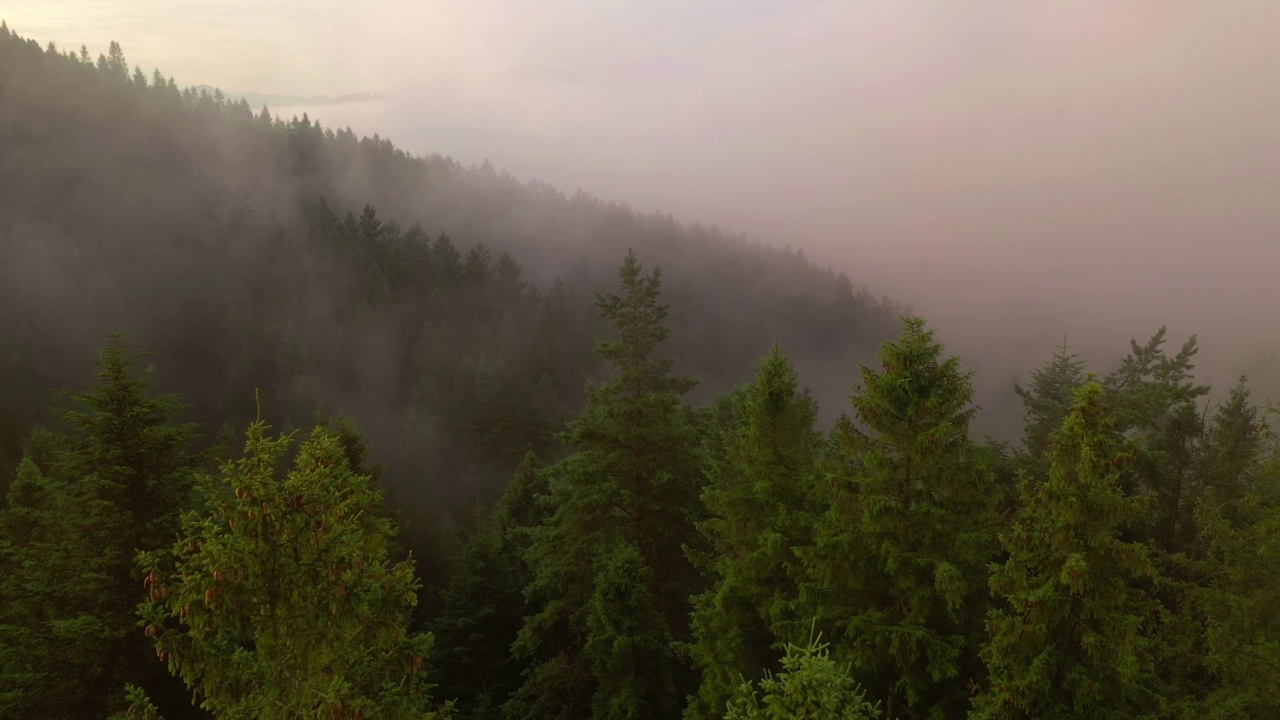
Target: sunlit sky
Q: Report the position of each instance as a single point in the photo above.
(996, 157)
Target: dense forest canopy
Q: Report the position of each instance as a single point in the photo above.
(251, 251)
(416, 440)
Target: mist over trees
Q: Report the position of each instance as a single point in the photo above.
(576, 463)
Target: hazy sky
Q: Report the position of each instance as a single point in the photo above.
(1064, 165)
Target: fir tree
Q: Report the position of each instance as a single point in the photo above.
(897, 568)
(1072, 637)
(280, 598)
(811, 686)
(1047, 398)
(114, 486)
(483, 605)
(1235, 590)
(609, 573)
(760, 506)
(1242, 628)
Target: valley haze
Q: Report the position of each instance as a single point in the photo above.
(1016, 172)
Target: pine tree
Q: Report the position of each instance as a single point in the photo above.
(1072, 638)
(760, 505)
(610, 577)
(280, 598)
(898, 567)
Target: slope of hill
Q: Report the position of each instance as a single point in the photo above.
(278, 100)
(342, 273)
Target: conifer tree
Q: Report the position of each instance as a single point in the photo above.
(760, 506)
(1152, 398)
(811, 686)
(1242, 628)
(610, 577)
(1073, 635)
(1227, 619)
(897, 570)
(1229, 461)
(1224, 469)
(483, 605)
(114, 486)
(280, 598)
(1047, 398)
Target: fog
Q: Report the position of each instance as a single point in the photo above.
(1015, 171)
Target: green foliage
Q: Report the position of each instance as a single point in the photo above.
(1072, 637)
(1149, 384)
(139, 706)
(1242, 629)
(1224, 467)
(811, 686)
(897, 568)
(112, 486)
(1047, 398)
(1240, 587)
(1152, 397)
(279, 598)
(253, 250)
(1233, 443)
(483, 605)
(610, 579)
(1140, 576)
(760, 506)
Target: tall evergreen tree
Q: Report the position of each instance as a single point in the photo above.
(610, 576)
(1242, 628)
(1047, 398)
(1152, 397)
(280, 598)
(1233, 441)
(1225, 466)
(114, 486)
(760, 505)
(1072, 638)
(898, 566)
(483, 605)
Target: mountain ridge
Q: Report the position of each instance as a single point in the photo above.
(284, 100)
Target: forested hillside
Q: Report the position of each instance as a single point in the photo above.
(345, 358)
(415, 294)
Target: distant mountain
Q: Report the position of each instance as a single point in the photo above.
(277, 100)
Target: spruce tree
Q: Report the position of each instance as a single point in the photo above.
(610, 577)
(898, 567)
(760, 505)
(1047, 398)
(1229, 617)
(114, 486)
(810, 686)
(1152, 397)
(1233, 441)
(483, 605)
(280, 598)
(1072, 636)
(1242, 628)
